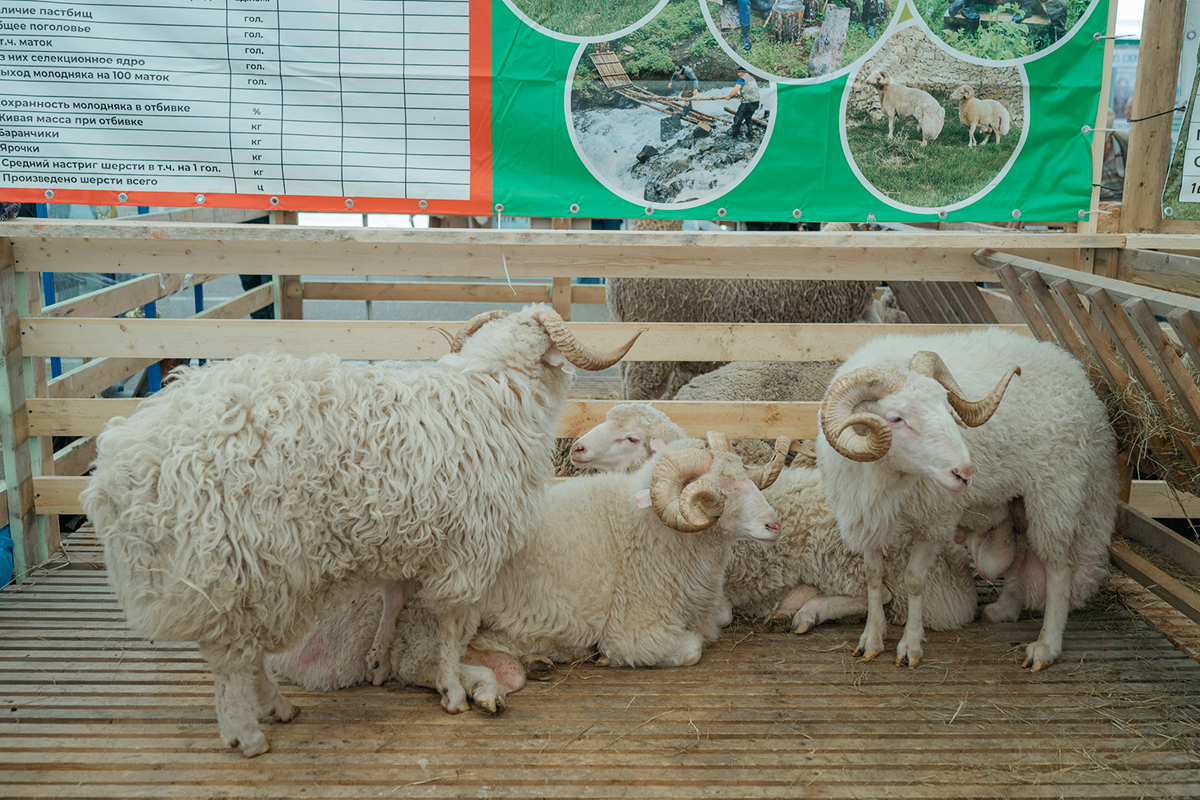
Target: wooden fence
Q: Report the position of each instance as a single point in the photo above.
(42, 483)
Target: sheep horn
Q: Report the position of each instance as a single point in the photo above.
(718, 441)
(678, 497)
(576, 351)
(975, 414)
(837, 413)
(473, 324)
(768, 473)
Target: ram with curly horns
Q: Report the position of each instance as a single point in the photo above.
(249, 493)
(903, 452)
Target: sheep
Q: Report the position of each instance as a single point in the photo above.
(908, 103)
(251, 492)
(809, 576)
(720, 300)
(989, 116)
(913, 473)
(637, 577)
(998, 547)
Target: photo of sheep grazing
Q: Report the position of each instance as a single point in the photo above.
(249, 493)
(908, 105)
(810, 576)
(897, 462)
(989, 116)
(629, 565)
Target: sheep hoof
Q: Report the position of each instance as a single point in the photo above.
(778, 622)
(1038, 656)
(603, 661)
(289, 714)
(866, 654)
(803, 626)
(253, 745)
(538, 668)
(491, 704)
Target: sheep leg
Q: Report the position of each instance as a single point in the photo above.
(378, 668)
(1048, 647)
(1007, 607)
(971, 135)
(891, 124)
(834, 607)
(235, 684)
(456, 625)
(870, 644)
(920, 561)
(271, 703)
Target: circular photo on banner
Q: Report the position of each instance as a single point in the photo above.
(663, 117)
(584, 20)
(1003, 30)
(927, 131)
(799, 41)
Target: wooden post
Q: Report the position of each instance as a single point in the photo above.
(1153, 93)
(831, 41)
(289, 293)
(1100, 134)
(41, 450)
(560, 288)
(14, 429)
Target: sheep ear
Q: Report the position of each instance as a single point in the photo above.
(643, 498)
(657, 445)
(555, 358)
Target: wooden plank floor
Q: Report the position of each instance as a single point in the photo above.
(90, 710)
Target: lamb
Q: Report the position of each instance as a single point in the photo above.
(250, 493)
(809, 576)
(989, 116)
(688, 300)
(908, 103)
(637, 578)
(913, 473)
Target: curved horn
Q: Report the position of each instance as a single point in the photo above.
(676, 495)
(473, 324)
(768, 473)
(838, 417)
(576, 351)
(718, 441)
(974, 414)
(804, 452)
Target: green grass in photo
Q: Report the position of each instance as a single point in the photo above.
(943, 172)
(790, 59)
(1000, 40)
(585, 17)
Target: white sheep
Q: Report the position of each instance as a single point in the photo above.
(249, 493)
(995, 538)
(908, 103)
(989, 116)
(629, 565)
(810, 576)
(913, 473)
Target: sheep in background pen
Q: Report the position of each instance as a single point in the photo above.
(908, 104)
(249, 493)
(809, 576)
(629, 565)
(718, 300)
(989, 116)
(914, 473)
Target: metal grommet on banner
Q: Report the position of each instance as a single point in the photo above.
(122, 197)
(423, 204)
(349, 202)
(274, 201)
(649, 211)
(1016, 213)
(870, 216)
(499, 208)
(199, 198)
(942, 215)
(1082, 214)
(796, 213)
(1168, 211)
(574, 208)
(1086, 129)
(721, 212)
(49, 194)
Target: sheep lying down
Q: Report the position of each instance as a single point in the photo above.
(625, 565)
(810, 576)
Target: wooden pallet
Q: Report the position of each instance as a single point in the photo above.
(609, 67)
(90, 710)
(942, 302)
